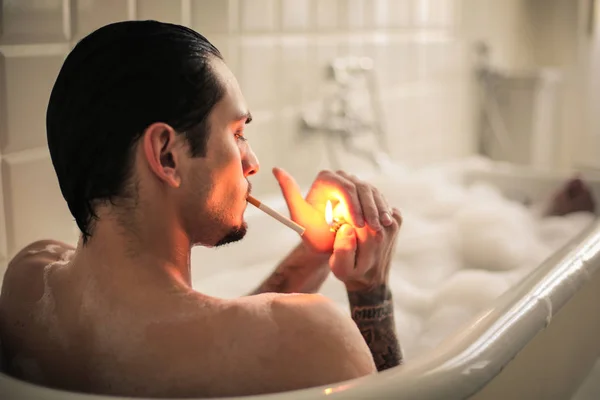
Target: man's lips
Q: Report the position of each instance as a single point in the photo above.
(249, 190)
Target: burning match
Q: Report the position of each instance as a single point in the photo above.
(268, 210)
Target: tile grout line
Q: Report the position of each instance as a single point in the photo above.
(67, 20)
(132, 9)
(186, 13)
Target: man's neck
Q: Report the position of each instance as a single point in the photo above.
(150, 254)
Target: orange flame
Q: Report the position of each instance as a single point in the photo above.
(328, 212)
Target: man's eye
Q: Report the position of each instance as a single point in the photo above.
(239, 136)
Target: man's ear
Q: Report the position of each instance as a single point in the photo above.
(159, 149)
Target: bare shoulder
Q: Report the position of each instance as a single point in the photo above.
(23, 275)
(311, 342)
(314, 320)
(41, 250)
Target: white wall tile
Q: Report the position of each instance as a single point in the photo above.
(90, 15)
(295, 148)
(278, 49)
(296, 15)
(322, 51)
(229, 49)
(353, 45)
(278, 142)
(402, 121)
(294, 65)
(423, 12)
(259, 72)
(445, 13)
(378, 13)
(454, 59)
(24, 99)
(431, 124)
(326, 14)
(351, 13)
(394, 60)
(589, 151)
(34, 206)
(434, 13)
(258, 15)
(31, 21)
(387, 13)
(327, 49)
(400, 11)
(210, 16)
(3, 236)
(430, 59)
(160, 10)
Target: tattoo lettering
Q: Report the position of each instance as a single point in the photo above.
(373, 313)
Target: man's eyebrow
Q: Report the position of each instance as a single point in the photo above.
(247, 116)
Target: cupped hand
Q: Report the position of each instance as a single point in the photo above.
(362, 205)
(362, 257)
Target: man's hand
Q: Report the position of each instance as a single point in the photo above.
(361, 259)
(363, 205)
(305, 268)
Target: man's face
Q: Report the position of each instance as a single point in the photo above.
(217, 186)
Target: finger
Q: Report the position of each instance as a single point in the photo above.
(369, 207)
(343, 259)
(383, 208)
(367, 200)
(369, 244)
(397, 217)
(290, 190)
(350, 195)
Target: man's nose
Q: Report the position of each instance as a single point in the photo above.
(250, 163)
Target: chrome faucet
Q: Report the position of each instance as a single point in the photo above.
(352, 111)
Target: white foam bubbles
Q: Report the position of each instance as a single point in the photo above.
(458, 250)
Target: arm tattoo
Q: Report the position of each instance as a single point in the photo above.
(280, 281)
(300, 272)
(373, 313)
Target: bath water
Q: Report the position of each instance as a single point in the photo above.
(460, 247)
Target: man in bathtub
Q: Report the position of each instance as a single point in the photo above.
(146, 132)
(145, 128)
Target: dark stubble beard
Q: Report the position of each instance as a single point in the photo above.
(236, 234)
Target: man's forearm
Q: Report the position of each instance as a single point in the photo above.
(373, 313)
(302, 271)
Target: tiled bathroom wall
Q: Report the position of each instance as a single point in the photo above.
(527, 35)
(278, 49)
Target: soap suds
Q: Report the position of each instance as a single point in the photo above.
(50, 248)
(46, 314)
(460, 247)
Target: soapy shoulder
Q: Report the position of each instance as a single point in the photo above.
(24, 273)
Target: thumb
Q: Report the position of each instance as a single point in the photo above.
(343, 259)
(290, 190)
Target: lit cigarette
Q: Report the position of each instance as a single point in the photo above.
(284, 220)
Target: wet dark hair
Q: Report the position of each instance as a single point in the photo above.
(115, 83)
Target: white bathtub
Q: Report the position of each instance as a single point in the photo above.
(538, 340)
